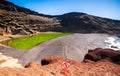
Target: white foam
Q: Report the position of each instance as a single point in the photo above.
(112, 43)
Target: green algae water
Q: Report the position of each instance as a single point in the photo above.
(31, 41)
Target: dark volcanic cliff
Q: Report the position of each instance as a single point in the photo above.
(19, 20)
(84, 23)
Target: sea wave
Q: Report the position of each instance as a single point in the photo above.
(113, 43)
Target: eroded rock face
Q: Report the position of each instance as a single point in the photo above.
(18, 20)
(103, 54)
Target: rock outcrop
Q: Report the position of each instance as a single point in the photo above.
(100, 54)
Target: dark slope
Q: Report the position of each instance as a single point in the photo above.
(19, 20)
(84, 23)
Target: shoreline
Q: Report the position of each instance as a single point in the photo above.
(109, 41)
(9, 37)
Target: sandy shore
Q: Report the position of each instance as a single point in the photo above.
(72, 47)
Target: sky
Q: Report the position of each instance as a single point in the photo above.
(102, 8)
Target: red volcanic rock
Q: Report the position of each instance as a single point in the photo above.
(88, 68)
(52, 66)
(32, 64)
(99, 54)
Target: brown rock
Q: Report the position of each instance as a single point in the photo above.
(103, 54)
(32, 64)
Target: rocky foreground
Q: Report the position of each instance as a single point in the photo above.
(98, 62)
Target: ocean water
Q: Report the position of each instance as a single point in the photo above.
(113, 43)
(118, 39)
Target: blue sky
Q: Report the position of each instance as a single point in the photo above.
(102, 8)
